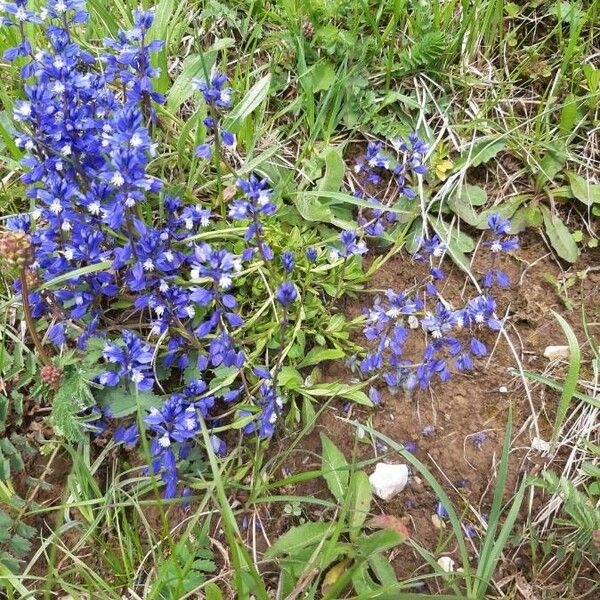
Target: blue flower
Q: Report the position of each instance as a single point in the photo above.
(203, 151)
(132, 362)
(286, 293)
(256, 205)
(228, 138)
(350, 246)
(311, 254)
(215, 91)
(288, 261)
(128, 436)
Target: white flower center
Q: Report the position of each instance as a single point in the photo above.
(117, 179)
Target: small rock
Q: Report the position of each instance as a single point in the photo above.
(503, 389)
(557, 352)
(540, 445)
(388, 480)
(416, 484)
(446, 563)
(437, 522)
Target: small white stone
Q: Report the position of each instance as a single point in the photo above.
(437, 522)
(557, 353)
(540, 445)
(503, 389)
(388, 480)
(446, 563)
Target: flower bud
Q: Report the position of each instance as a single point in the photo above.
(16, 249)
(51, 376)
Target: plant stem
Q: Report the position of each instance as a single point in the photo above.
(29, 320)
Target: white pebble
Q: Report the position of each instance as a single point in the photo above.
(437, 522)
(446, 563)
(388, 480)
(557, 352)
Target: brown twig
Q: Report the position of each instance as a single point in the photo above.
(29, 320)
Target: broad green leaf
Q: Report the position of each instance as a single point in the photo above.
(483, 150)
(290, 378)
(473, 194)
(256, 94)
(334, 170)
(588, 193)
(312, 209)
(19, 545)
(122, 402)
(297, 538)
(212, 592)
(560, 237)
(318, 355)
(335, 468)
(551, 164)
(308, 413)
(379, 542)
(322, 76)
(361, 494)
(342, 390)
(568, 115)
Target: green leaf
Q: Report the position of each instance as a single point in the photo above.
(5, 520)
(560, 237)
(322, 76)
(290, 378)
(457, 242)
(212, 592)
(10, 563)
(297, 538)
(19, 545)
(123, 402)
(308, 413)
(318, 355)
(379, 542)
(72, 397)
(311, 209)
(361, 495)
(483, 150)
(551, 164)
(335, 468)
(568, 115)
(463, 201)
(583, 190)
(256, 94)
(342, 390)
(570, 385)
(4, 468)
(334, 170)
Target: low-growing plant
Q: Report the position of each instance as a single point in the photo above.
(198, 307)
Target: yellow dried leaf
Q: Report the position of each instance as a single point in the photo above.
(442, 167)
(333, 575)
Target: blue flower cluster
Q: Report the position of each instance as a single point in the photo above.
(373, 166)
(85, 130)
(453, 336)
(218, 98)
